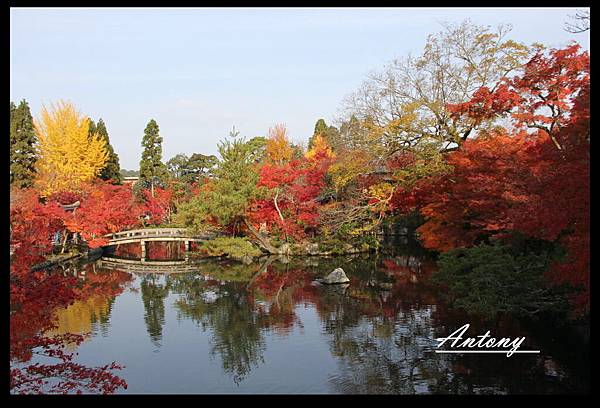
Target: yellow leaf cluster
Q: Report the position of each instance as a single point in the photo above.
(381, 191)
(278, 146)
(348, 167)
(368, 226)
(319, 145)
(68, 156)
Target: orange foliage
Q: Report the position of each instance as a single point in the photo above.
(278, 145)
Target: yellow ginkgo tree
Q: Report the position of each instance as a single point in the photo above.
(278, 147)
(68, 154)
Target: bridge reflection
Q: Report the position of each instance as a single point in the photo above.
(143, 266)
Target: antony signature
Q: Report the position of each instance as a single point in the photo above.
(484, 341)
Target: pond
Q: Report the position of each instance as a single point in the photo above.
(266, 327)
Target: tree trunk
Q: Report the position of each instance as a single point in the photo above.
(262, 240)
(62, 251)
(280, 215)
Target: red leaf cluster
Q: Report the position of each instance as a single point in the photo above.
(296, 184)
(517, 181)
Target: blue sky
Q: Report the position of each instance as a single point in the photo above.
(198, 72)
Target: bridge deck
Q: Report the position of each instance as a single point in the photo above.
(155, 234)
(154, 238)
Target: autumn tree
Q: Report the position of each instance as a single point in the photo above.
(152, 169)
(406, 103)
(68, 156)
(23, 141)
(279, 153)
(532, 178)
(289, 204)
(278, 147)
(160, 207)
(365, 188)
(319, 146)
(104, 208)
(32, 224)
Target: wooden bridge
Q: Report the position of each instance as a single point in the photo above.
(156, 234)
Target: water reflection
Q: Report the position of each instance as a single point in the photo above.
(97, 289)
(154, 290)
(89, 315)
(235, 326)
(154, 250)
(378, 330)
(51, 311)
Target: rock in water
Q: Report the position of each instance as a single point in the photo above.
(337, 276)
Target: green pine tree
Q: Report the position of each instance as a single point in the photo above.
(329, 133)
(92, 128)
(23, 153)
(152, 169)
(112, 170)
(320, 128)
(234, 188)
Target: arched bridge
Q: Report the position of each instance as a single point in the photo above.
(156, 234)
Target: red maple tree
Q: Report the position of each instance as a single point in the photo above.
(533, 178)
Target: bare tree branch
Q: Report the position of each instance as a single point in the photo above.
(580, 23)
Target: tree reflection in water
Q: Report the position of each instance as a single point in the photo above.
(154, 293)
(52, 312)
(381, 327)
(385, 344)
(228, 312)
(155, 250)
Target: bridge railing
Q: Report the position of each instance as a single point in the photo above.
(157, 232)
(148, 232)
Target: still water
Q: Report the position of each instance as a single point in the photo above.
(266, 327)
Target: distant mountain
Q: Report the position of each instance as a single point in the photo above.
(130, 173)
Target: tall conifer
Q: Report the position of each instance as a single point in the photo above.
(152, 169)
(112, 170)
(23, 142)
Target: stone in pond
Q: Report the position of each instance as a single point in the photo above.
(337, 276)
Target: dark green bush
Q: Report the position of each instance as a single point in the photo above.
(491, 279)
(236, 248)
